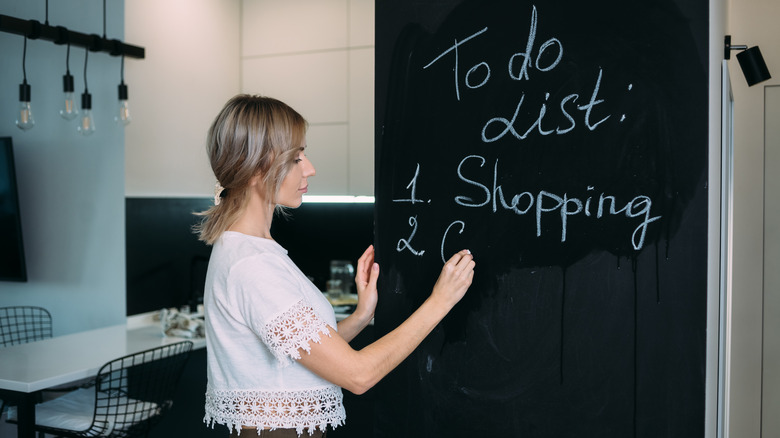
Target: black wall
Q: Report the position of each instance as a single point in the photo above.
(166, 264)
(565, 144)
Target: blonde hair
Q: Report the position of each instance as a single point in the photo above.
(252, 135)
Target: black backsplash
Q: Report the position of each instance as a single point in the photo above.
(166, 263)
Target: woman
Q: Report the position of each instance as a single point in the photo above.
(277, 360)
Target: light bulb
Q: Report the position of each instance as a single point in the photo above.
(68, 110)
(123, 115)
(25, 120)
(87, 125)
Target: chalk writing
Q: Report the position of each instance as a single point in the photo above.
(559, 115)
(454, 49)
(543, 202)
(623, 117)
(526, 62)
(444, 239)
(509, 125)
(413, 188)
(529, 48)
(405, 243)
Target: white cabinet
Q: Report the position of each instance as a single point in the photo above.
(318, 56)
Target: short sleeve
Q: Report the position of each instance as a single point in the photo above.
(272, 304)
(293, 330)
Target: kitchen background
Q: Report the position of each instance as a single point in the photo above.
(318, 56)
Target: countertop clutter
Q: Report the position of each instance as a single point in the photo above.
(343, 305)
(182, 323)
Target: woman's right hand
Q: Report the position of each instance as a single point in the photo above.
(455, 278)
(333, 359)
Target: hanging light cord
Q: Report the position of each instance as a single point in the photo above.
(104, 18)
(122, 70)
(47, 12)
(24, 60)
(67, 60)
(86, 57)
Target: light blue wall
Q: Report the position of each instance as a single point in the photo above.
(71, 187)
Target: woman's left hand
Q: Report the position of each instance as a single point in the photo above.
(365, 280)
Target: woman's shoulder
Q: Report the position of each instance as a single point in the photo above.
(247, 256)
(235, 246)
(241, 240)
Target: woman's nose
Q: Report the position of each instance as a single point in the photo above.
(309, 170)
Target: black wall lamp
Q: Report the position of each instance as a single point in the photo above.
(750, 60)
(60, 35)
(32, 29)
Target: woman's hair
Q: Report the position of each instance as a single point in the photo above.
(252, 135)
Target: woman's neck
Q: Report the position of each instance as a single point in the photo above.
(256, 219)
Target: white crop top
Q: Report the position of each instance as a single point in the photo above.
(260, 309)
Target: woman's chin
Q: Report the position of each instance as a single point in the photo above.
(292, 204)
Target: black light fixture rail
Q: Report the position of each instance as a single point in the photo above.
(60, 35)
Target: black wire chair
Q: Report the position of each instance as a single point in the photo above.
(22, 324)
(130, 396)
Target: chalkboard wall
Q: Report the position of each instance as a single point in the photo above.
(565, 144)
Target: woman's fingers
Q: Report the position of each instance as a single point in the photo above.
(365, 263)
(461, 262)
(374, 276)
(455, 277)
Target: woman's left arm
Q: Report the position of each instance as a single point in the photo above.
(365, 280)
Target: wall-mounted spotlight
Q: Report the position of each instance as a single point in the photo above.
(750, 60)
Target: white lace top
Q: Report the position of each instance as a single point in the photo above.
(260, 309)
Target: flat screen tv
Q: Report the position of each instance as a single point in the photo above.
(12, 263)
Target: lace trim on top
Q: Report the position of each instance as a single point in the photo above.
(309, 408)
(293, 330)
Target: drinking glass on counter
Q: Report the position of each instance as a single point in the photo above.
(334, 289)
(342, 275)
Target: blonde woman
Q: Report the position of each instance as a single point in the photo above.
(277, 359)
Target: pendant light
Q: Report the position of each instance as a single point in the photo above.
(69, 111)
(25, 121)
(87, 125)
(123, 115)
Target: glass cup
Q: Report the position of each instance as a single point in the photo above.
(334, 289)
(344, 271)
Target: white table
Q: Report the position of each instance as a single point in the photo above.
(27, 369)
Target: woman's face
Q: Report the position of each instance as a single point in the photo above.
(296, 183)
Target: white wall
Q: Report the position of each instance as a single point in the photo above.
(318, 56)
(770, 403)
(750, 22)
(71, 188)
(191, 69)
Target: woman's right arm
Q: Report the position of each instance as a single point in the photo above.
(357, 371)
